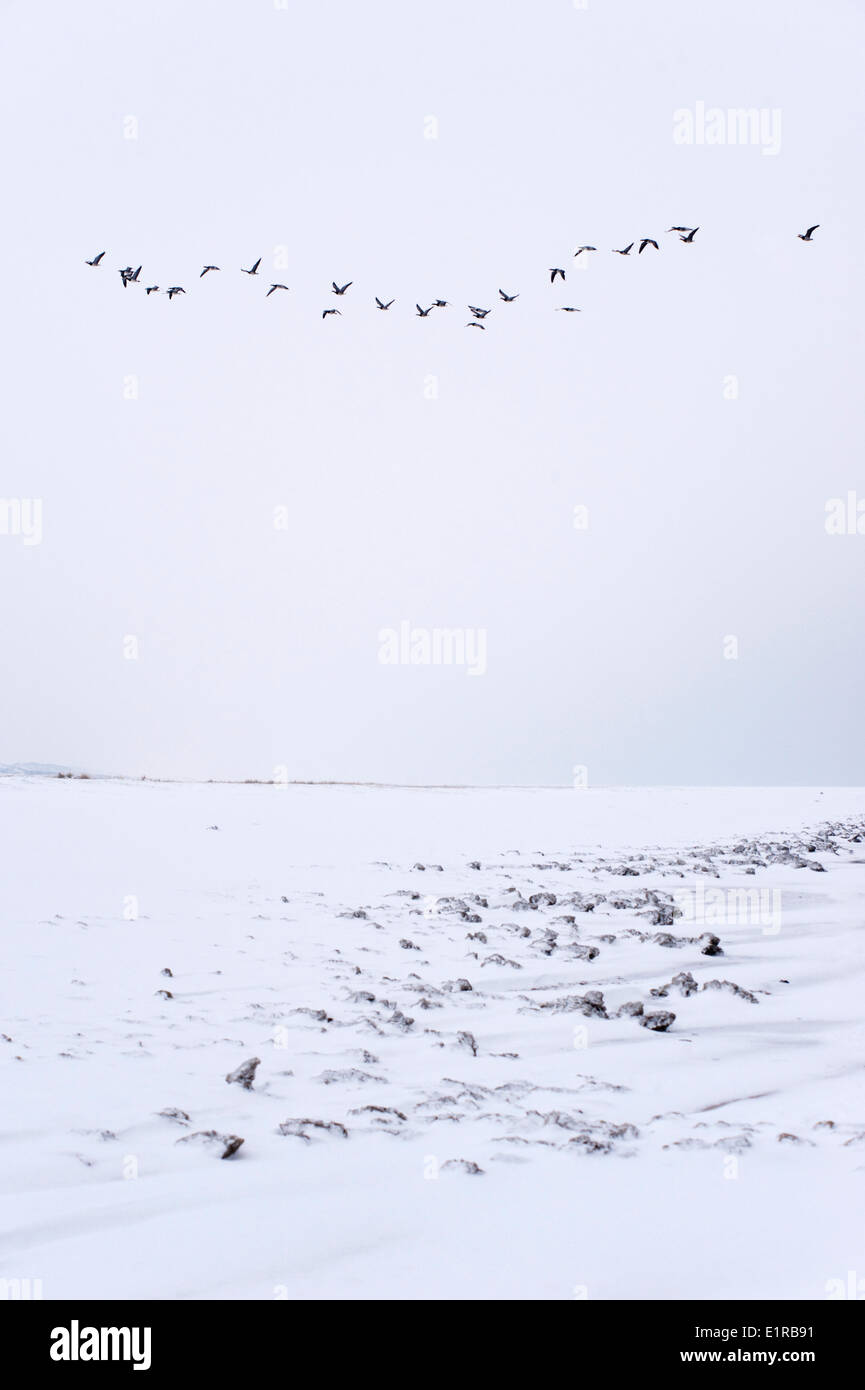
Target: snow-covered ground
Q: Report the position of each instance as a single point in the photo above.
(450, 1100)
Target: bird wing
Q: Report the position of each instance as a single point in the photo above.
(814, 228)
(257, 264)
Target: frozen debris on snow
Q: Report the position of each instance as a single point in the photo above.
(348, 1075)
(297, 1128)
(657, 1022)
(228, 1143)
(731, 988)
(244, 1075)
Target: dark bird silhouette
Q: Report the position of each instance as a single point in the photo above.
(680, 229)
(424, 313)
(581, 249)
(478, 313)
(331, 311)
(96, 259)
(439, 304)
(472, 323)
(691, 234)
(808, 236)
(175, 289)
(275, 287)
(626, 252)
(211, 267)
(566, 309)
(647, 241)
(384, 306)
(336, 288)
(152, 289)
(508, 298)
(554, 273)
(134, 278)
(253, 270)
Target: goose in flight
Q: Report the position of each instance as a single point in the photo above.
(473, 323)
(331, 311)
(152, 289)
(211, 267)
(581, 249)
(384, 306)
(175, 289)
(680, 229)
(440, 304)
(253, 270)
(508, 298)
(424, 313)
(691, 234)
(96, 259)
(626, 252)
(808, 236)
(567, 309)
(338, 290)
(647, 241)
(478, 313)
(554, 272)
(275, 287)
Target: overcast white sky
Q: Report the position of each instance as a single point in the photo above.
(305, 128)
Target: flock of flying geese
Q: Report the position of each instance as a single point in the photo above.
(128, 276)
